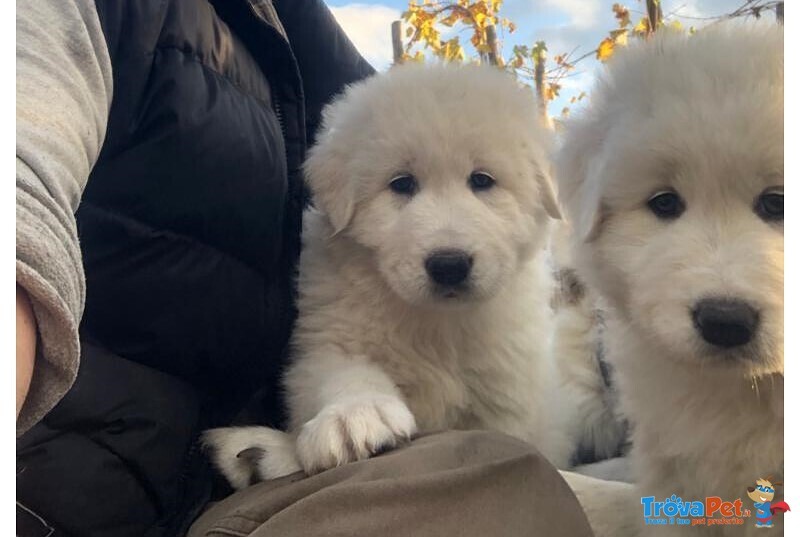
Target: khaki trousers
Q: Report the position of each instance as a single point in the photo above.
(459, 483)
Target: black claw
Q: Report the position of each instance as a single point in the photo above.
(382, 448)
(252, 455)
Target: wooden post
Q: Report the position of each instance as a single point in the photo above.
(397, 42)
(538, 78)
(654, 14)
(779, 12)
(494, 46)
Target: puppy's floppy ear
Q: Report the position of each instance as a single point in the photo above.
(589, 222)
(538, 158)
(325, 172)
(548, 195)
(579, 181)
(589, 201)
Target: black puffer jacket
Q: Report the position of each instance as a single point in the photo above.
(189, 228)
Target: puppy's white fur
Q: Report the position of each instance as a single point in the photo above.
(591, 416)
(702, 115)
(380, 353)
(275, 453)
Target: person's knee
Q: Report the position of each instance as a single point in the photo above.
(471, 483)
(480, 443)
(458, 449)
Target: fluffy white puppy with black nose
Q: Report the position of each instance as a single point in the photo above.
(423, 289)
(673, 181)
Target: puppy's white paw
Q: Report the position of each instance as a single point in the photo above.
(247, 455)
(353, 429)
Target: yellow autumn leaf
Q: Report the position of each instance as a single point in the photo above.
(605, 49)
(452, 50)
(576, 98)
(642, 27)
(620, 36)
(622, 15)
(476, 40)
(431, 37)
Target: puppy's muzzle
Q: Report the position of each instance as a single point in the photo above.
(448, 268)
(725, 322)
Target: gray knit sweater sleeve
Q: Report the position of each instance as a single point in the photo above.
(63, 96)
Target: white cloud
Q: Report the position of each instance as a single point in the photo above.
(369, 28)
(700, 8)
(581, 13)
(688, 8)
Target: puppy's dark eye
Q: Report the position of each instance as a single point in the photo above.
(666, 204)
(480, 181)
(404, 184)
(769, 206)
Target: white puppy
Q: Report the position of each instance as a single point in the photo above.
(673, 179)
(423, 288)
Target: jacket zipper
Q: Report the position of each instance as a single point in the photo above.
(279, 115)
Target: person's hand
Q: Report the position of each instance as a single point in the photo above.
(26, 345)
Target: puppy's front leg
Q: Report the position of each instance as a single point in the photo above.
(344, 409)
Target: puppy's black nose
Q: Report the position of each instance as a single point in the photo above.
(448, 267)
(725, 322)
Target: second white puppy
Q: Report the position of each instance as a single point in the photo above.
(423, 289)
(673, 179)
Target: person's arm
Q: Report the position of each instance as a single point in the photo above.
(328, 60)
(63, 96)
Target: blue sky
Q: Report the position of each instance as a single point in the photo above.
(563, 24)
